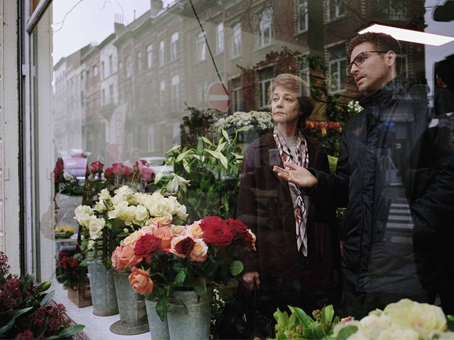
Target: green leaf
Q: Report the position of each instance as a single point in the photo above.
(43, 287)
(327, 314)
(450, 319)
(206, 140)
(223, 160)
(236, 267)
(244, 128)
(181, 156)
(345, 332)
(175, 148)
(181, 277)
(302, 316)
(215, 154)
(162, 306)
(277, 314)
(159, 175)
(226, 135)
(47, 298)
(200, 287)
(283, 319)
(220, 146)
(68, 332)
(84, 263)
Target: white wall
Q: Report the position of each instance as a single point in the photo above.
(9, 135)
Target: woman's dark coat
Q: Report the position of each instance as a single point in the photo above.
(265, 206)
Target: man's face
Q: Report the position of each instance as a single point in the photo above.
(374, 72)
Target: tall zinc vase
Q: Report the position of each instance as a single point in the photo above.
(131, 305)
(103, 296)
(188, 317)
(159, 330)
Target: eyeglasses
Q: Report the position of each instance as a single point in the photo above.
(359, 59)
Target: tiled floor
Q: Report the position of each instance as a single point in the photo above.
(96, 327)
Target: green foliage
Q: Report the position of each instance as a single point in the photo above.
(299, 325)
(206, 177)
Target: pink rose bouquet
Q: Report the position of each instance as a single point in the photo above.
(165, 257)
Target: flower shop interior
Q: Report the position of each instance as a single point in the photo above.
(131, 151)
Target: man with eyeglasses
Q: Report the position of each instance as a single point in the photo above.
(395, 178)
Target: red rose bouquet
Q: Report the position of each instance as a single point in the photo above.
(165, 257)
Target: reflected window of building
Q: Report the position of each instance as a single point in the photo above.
(220, 38)
(151, 146)
(303, 69)
(149, 56)
(266, 76)
(111, 94)
(394, 9)
(139, 61)
(236, 95)
(162, 88)
(201, 91)
(335, 9)
(103, 71)
(236, 40)
(111, 70)
(161, 53)
(128, 67)
(265, 37)
(175, 92)
(95, 71)
(303, 16)
(200, 47)
(174, 46)
(103, 97)
(337, 79)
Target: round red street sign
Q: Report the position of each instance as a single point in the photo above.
(218, 97)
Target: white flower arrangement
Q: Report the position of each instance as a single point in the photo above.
(403, 320)
(258, 120)
(134, 209)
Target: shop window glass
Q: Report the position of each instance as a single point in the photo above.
(220, 38)
(335, 9)
(174, 46)
(236, 40)
(149, 56)
(303, 16)
(265, 36)
(265, 81)
(200, 47)
(337, 64)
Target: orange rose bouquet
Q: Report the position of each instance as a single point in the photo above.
(165, 257)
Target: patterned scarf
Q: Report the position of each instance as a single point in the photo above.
(302, 159)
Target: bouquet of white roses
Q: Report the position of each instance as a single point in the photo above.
(115, 217)
(404, 320)
(256, 120)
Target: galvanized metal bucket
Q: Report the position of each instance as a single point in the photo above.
(189, 318)
(133, 314)
(104, 298)
(159, 329)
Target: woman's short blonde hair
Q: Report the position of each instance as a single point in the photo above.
(306, 104)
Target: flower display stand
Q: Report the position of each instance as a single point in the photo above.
(159, 329)
(80, 296)
(131, 305)
(104, 297)
(188, 316)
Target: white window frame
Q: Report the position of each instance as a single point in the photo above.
(174, 46)
(236, 40)
(265, 31)
(337, 10)
(161, 53)
(111, 70)
(129, 67)
(162, 88)
(175, 91)
(150, 56)
(264, 85)
(339, 86)
(103, 70)
(220, 38)
(151, 144)
(236, 95)
(302, 12)
(200, 47)
(139, 61)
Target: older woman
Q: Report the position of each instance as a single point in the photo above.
(298, 255)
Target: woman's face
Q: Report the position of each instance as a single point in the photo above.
(285, 106)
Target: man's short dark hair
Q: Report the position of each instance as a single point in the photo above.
(445, 70)
(382, 41)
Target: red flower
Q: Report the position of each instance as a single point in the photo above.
(249, 240)
(147, 245)
(117, 169)
(109, 173)
(25, 335)
(147, 174)
(96, 167)
(58, 171)
(185, 246)
(217, 232)
(238, 228)
(128, 171)
(209, 220)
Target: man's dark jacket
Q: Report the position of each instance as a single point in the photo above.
(395, 178)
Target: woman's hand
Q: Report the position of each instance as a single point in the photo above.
(249, 278)
(297, 175)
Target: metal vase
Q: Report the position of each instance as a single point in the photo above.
(188, 317)
(133, 314)
(103, 296)
(159, 329)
